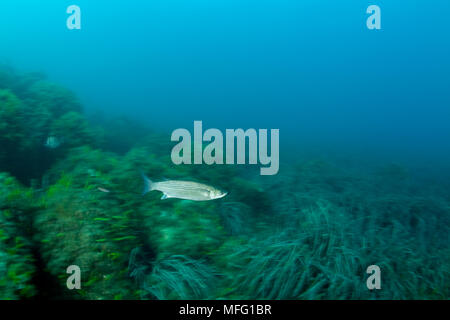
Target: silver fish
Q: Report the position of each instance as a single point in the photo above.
(52, 142)
(187, 190)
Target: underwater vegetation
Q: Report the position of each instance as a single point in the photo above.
(16, 250)
(309, 232)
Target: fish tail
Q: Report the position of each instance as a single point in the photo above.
(148, 184)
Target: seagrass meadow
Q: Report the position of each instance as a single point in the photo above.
(309, 232)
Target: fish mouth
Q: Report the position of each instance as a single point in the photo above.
(222, 195)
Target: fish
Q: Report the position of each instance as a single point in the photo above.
(52, 142)
(103, 190)
(187, 190)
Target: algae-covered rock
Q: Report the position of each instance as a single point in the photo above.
(11, 124)
(32, 110)
(53, 97)
(74, 131)
(81, 225)
(16, 259)
(178, 227)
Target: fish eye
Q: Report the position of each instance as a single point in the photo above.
(208, 193)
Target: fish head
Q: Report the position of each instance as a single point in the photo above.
(217, 194)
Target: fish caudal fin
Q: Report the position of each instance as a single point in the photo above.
(148, 184)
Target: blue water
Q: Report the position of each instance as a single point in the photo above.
(310, 68)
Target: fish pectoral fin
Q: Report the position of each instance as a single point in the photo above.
(164, 196)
